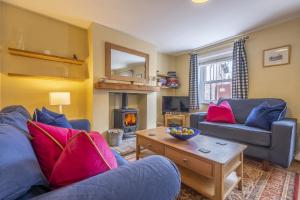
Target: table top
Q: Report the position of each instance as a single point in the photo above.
(221, 151)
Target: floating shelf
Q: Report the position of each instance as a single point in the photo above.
(42, 56)
(46, 77)
(165, 87)
(162, 75)
(124, 86)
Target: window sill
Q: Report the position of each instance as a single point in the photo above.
(208, 102)
(205, 103)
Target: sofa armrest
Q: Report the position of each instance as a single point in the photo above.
(151, 178)
(283, 141)
(195, 118)
(81, 124)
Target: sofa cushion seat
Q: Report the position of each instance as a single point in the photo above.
(236, 132)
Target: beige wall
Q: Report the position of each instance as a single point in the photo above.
(34, 93)
(278, 81)
(165, 63)
(41, 33)
(98, 35)
(182, 65)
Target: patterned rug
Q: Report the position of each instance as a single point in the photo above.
(276, 184)
(126, 147)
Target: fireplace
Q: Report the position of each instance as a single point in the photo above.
(126, 118)
(130, 119)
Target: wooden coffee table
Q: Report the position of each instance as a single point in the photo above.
(212, 174)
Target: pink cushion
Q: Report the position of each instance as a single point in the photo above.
(48, 143)
(68, 155)
(85, 155)
(220, 113)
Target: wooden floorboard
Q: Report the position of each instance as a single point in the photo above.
(295, 167)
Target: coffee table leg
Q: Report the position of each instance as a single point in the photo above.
(219, 182)
(239, 172)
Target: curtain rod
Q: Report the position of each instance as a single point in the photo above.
(220, 42)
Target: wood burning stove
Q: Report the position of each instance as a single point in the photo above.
(126, 118)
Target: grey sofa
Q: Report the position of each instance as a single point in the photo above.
(153, 178)
(276, 146)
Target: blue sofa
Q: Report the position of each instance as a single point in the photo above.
(152, 178)
(276, 146)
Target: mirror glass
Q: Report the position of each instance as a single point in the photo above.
(127, 65)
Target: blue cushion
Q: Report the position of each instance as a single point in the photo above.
(15, 119)
(19, 168)
(81, 124)
(54, 119)
(263, 115)
(51, 113)
(17, 108)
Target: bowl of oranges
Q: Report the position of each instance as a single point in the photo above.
(183, 133)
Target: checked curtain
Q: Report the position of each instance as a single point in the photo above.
(239, 70)
(194, 83)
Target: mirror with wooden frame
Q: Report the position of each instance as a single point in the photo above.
(126, 64)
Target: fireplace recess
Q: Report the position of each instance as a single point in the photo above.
(126, 118)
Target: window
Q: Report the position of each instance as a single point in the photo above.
(215, 77)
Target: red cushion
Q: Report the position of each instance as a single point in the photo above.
(85, 155)
(48, 143)
(220, 113)
(68, 155)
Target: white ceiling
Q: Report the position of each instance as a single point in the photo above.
(172, 25)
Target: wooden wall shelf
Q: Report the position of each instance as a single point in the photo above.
(166, 87)
(124, 86)
(46, 77)
(31, 54)
(162, 75)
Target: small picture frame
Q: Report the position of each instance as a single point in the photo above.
(277, 56)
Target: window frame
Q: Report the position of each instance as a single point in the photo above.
(202, 77)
